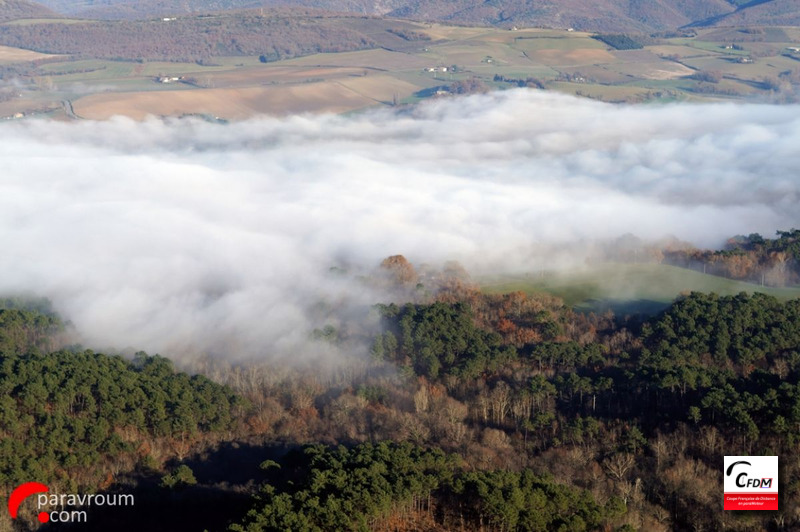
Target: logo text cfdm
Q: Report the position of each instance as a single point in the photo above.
(751, 482)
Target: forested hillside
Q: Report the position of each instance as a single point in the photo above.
(637, 414)
(274, 35)
(604, 15)
(769, 13)
(74, 419)
(70, 416)
(377, 487)
(473, 411)
(21, 9)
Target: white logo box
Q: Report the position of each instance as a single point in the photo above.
(751, 482)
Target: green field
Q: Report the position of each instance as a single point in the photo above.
(564, 42)
(624, 288)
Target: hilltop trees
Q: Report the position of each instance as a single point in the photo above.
(773, 262)
(23, 330)
(440, 339)
(389, 486)
(67, 415)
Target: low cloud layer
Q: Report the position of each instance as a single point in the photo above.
(187, 236)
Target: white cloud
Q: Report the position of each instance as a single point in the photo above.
(185, 235)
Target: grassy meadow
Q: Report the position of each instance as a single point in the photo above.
(624, 288)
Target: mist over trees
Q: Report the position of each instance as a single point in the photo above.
(472, 411)
(436, 404)
(449, 179)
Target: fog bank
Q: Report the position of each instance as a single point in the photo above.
(180, 236)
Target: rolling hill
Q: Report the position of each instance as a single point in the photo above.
(23, 9)
(275, 34)
(760, 13)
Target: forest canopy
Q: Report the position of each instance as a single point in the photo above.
(473, 411)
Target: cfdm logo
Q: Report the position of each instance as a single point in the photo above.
(751, 482)
(58, 507)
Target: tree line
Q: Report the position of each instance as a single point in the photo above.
(766, 261)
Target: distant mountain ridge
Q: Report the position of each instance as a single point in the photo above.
(594, 15)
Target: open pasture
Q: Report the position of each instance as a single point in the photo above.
(239, 103)
(378, 59)
(677, 50)
(9, 54)
(624, 287)
(609, 93)
(565, 42)
(583, 56)
(658, 69)
(603, 74)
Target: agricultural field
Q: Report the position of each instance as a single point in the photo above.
(17, 55)
(428, 61)
(625, 288)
